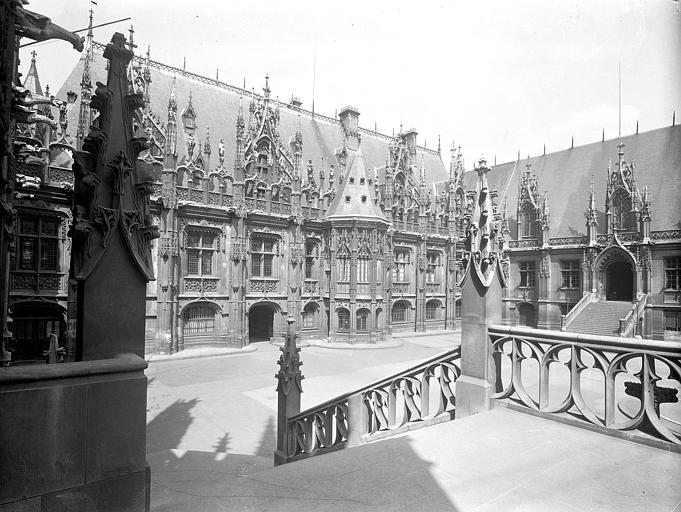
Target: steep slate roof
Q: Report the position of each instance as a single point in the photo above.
(567, 174)
(216, 105)
(355, 199)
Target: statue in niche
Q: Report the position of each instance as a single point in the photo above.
(221, 152)
(191, 144)
(310, 173)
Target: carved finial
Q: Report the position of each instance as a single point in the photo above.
(266, 89)
(33, 54)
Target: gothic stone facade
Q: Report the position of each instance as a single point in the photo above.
(267, 211)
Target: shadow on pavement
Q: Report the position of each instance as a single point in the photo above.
(166, 430)
(387, 476)
(268, 440)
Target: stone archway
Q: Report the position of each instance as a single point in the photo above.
(261, 319)
(615, 272)
(619, 281)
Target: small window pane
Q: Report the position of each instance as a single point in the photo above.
(28, 227)
(49, 227)
(48, 254)
(27, 254)
(206, 263)
(193, 262)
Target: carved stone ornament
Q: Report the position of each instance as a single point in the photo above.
(481, 250)
(111, 195)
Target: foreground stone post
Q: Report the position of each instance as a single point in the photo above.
(481, 301)
(289, 388)
(112, 227)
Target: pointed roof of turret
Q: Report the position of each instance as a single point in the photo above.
(32, 82)
(355, 198)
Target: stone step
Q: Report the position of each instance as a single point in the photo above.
(600, 318)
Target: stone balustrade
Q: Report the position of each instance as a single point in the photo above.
(416, 397)
(592, 380)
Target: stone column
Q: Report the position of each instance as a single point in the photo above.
(481, 305)
(112, 227)
(289, 388)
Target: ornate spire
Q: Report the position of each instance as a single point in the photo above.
(147, 66)
(32, 82)
(266, 90)
(171, 126)
(85, 113)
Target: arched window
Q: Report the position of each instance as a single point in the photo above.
(432, 310)
(362, 320)
(623, 218)
(311, 259)
(363, 264)
(199, 320)
(400, 273)
(310, 315)
(528, 222)
(400, 311)
(433, 262)
(343, 319)
(457, 309)
(343, 257)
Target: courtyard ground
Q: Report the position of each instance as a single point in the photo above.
(211, 436)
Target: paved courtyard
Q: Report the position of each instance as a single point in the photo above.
(227, 404)
(211, 438)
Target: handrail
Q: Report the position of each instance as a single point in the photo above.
(614, 343)
(383, 408)
(566, 320)
(629, 368)
(630, 321)
(378, 383)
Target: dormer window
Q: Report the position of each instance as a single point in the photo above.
(364, 199)
(528, 222)
(361, 181)
(347, 199)
(352, 179)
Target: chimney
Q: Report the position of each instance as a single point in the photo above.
(349, 118)
(409, 137)
(295, 102)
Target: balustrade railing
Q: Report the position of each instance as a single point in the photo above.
(629, 323)
(618, 385)
(566, 320)
(524, 244)
(419, 396)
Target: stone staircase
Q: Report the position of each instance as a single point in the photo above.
(600, 318)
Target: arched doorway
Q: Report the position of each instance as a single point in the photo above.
(33, 324)
(260, 322)
(527, 315)
(200, 325)
(619, 281)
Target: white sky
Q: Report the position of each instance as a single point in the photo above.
(496, 77)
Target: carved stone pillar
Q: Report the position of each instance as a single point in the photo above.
(289, 388)
(481, 305)
(112, 228)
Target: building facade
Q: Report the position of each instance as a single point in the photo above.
(268, 211)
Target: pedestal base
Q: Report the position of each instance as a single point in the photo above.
(473, 395)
